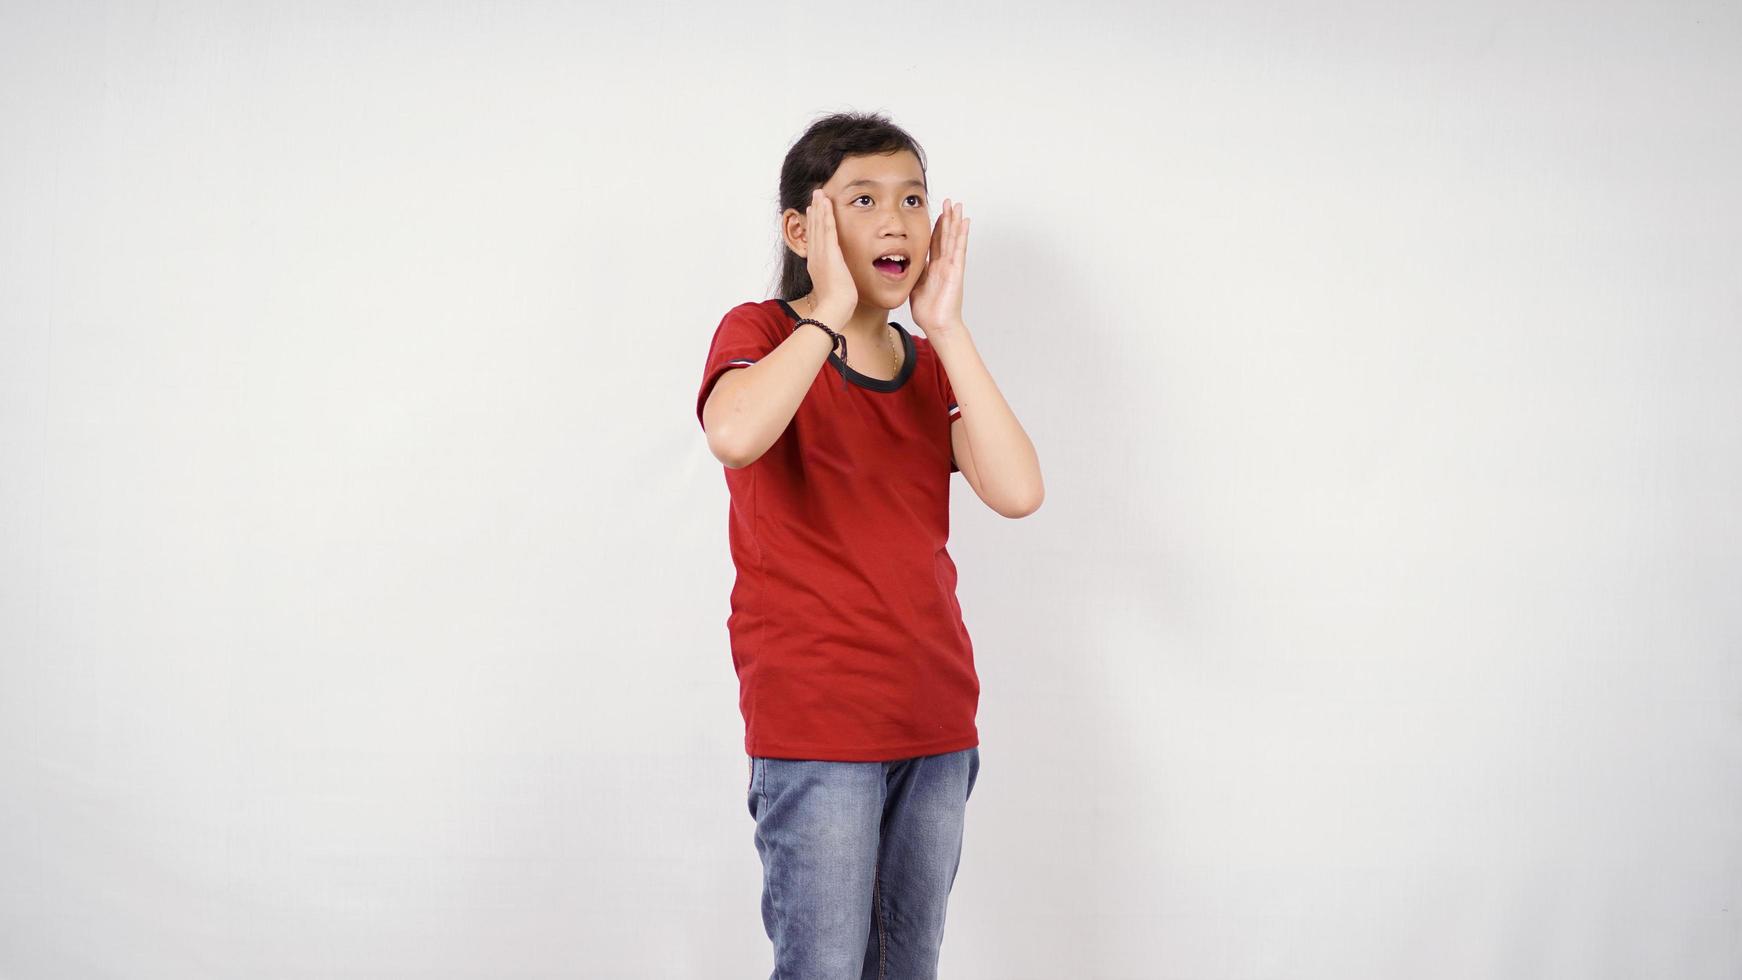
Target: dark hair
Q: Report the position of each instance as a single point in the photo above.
(814, 158)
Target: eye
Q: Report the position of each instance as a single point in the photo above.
(910, 197)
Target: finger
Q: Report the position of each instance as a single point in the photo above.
(950, 234)
(809, 218)
(816, 222)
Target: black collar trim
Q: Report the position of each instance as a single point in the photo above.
(864, 380)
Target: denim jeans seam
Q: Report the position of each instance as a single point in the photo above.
(882, 921)
(761, 781)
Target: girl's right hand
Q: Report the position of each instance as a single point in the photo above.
(832, 285)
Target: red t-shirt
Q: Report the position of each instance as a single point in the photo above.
(845, 631)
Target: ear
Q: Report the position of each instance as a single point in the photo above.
(793, 231)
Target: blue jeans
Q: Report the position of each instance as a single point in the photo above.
(858, 859)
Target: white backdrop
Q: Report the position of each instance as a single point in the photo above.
(364, 573)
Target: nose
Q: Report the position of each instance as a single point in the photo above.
(892, 223)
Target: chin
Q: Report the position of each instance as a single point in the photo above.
(898, 293)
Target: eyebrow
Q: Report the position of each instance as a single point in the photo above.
(907, 183)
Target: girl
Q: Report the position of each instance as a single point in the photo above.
(839, 431)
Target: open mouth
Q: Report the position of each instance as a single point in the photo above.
(894, 267)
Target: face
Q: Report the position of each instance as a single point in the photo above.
(881, 206)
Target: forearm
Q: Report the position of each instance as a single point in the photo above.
(759, 404)
(1005, 463)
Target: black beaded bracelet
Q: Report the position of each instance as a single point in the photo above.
(840, 340)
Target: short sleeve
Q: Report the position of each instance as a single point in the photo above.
(952, 410)
(743, 337)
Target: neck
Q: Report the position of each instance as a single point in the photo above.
(868, 327)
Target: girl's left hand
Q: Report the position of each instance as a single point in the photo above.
(936, 300)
